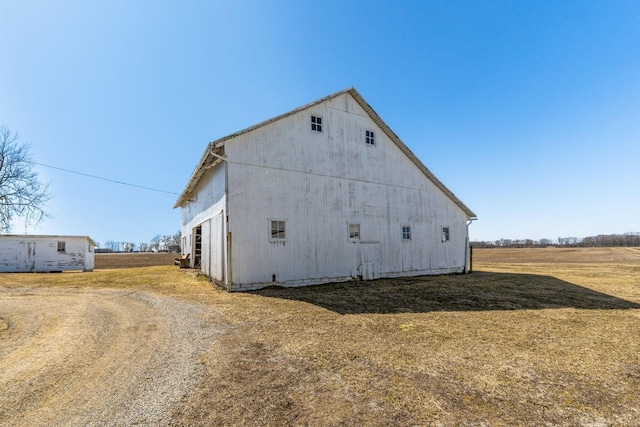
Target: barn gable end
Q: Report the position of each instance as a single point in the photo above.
(351, 198)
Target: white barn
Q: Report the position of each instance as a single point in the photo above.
(324, 193)
(31, 253)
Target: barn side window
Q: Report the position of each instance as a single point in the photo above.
(354, 231)
(369, 137)
(445, 234)
(316, 123)
(406, 232)
(278, 230)
(61, 246)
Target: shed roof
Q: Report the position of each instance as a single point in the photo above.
(209, 158)
(44, 236)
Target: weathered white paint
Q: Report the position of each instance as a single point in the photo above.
(30, 253)
(319, 183)
(207, 209)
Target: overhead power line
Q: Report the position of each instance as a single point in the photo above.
(105, 179)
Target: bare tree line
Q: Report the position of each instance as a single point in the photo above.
(158, 243)
(630, 239)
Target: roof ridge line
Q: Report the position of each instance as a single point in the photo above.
(198, 171)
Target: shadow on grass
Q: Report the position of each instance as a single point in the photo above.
(480, 291)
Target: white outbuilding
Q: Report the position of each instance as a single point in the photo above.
(324, 193)
(31, 253)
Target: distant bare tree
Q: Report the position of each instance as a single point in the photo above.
(110, 244)
(164, 242)
(155, 243)
(177, 240)
(21, 192)
(546, 242)
(171, 243)
(144, 247)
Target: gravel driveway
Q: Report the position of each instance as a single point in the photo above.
(82, 357)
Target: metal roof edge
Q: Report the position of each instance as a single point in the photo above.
(197, 173)
(60, 236)
(401, 145)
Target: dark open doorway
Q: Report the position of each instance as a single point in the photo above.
(197, 246)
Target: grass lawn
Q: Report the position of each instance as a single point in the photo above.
(532, 337)
(533, 341)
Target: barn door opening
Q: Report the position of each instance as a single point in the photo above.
(197, 246)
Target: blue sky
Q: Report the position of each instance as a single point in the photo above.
(528, 111)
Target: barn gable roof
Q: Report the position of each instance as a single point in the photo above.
(210, 158)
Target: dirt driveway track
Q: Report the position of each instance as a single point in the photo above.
(82, 357)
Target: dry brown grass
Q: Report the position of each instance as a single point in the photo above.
(513, 344)
(167, 280)
(552, 255)
(530, 338)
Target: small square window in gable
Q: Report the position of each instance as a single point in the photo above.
(316, 123)
(278, 229)
(62, 247)
(369, 137)
(406, 232)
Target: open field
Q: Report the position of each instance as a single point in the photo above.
(135, 259)
(552, 255)
(532, 337)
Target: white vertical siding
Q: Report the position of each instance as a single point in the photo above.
(217, 252)
(319, 182)
(209, 202)
(40, 253)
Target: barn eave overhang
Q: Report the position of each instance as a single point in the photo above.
(212, 157)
